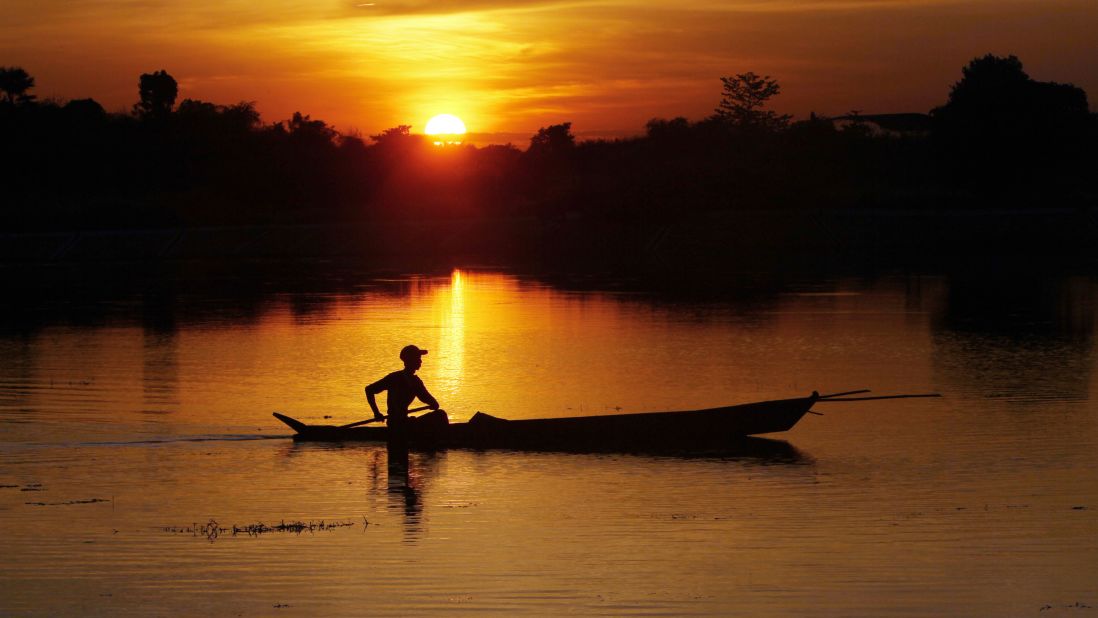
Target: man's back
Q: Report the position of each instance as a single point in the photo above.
(402, 388)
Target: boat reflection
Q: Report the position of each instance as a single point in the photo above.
(402, 478)
(404, 463)
(746, 449)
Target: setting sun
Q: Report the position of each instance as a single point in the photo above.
(445, 124)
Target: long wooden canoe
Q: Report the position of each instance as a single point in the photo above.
(712, 428)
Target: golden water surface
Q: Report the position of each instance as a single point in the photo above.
(126, 434)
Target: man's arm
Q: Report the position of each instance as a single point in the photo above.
(426, 397)
(373, 390)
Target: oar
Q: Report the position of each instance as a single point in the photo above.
(375, 419)
(822, 400)
(864, 390)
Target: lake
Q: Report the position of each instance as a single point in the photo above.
(141, 471)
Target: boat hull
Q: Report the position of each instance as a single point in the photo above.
(698, 429)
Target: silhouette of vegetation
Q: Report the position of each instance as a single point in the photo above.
(394, 135)
(743, 97)
(1001, 139)
(554, 141)
(14, 83)
(999, 122)
(158, 91)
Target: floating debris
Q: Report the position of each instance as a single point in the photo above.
(1078, 508)
(88, 501)
(213, 530)
(1076, 605)
(8, 486)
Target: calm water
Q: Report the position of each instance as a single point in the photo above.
(133, 417)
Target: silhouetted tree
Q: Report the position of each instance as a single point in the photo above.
(998, 120)
(393, 134)
(194, 108)
(204, 116)
(158, 92)
(352, 145)
(242, 115)
(662, 129)
(548, 166)
(86, 109)
(554, 140)
(304, 128)
(396, 143)
(996, 95)
(742, 99)
(14, 83)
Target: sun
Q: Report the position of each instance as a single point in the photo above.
(446, 125)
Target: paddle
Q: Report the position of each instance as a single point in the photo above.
(375, 419)
(839, 397)
(864, 390)
(822, 400)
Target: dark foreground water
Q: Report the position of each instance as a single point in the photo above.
(136, 434)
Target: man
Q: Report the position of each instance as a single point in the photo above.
(403, 387)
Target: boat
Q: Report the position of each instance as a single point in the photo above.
(713, 428)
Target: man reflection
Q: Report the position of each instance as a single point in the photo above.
(404, 484)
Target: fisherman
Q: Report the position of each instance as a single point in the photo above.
(403, 386)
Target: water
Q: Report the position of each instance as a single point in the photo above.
(135, 416)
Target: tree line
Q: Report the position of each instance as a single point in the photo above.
(1000, 138)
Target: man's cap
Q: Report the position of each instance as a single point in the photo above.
(411, 351)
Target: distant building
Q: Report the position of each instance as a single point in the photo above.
(895, 125)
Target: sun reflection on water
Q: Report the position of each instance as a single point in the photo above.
(450, 315)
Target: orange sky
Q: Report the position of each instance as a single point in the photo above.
(507, 67)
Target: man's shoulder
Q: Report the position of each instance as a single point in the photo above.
(396, 377)
(402, 377)
(388, 379)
